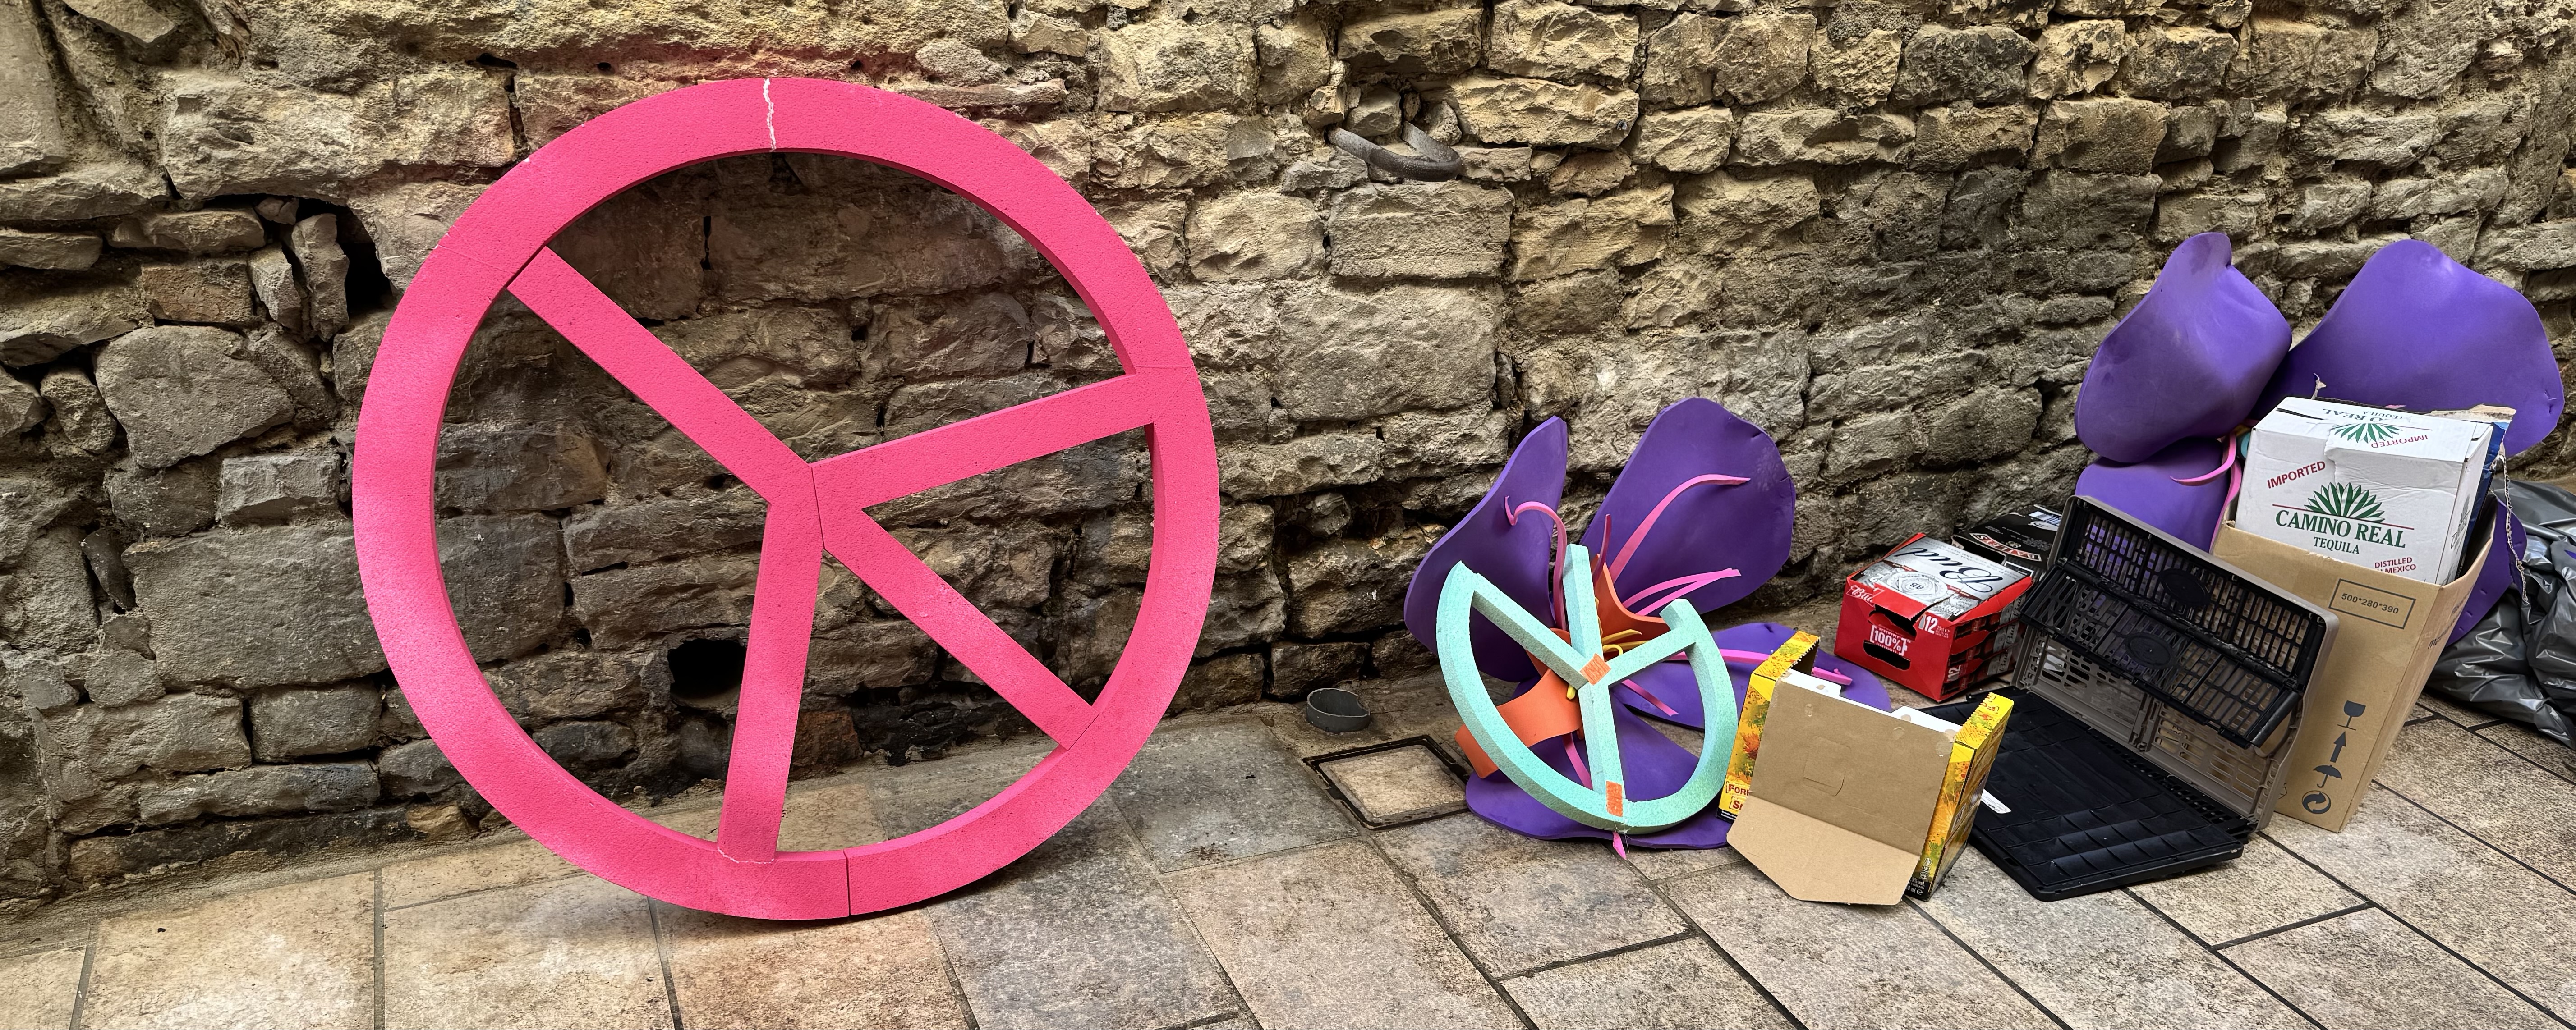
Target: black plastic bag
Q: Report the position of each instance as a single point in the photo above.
(2519, 662)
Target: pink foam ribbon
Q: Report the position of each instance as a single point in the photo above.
(1630, 549)
(1637, 602)
(1582, 774)
(1650, 698)
(1555, 565)
(2235, 476)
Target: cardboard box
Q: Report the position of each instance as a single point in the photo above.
(2391, 630)
(2390, 490)
(1930, 640)
(1795, 656)
(1847, 798)
(2018, 539)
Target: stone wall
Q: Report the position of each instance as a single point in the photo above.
(1890, 233)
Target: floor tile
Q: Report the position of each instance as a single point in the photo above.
(42, 988)
(1683, 984)
(2263, 889)
(2507, 919)
(1517, 903)
(301, 955)
(572, 952)
(2368, 970)
(1667, 863)
(1415, 706)
(1328, 936)
(1079, 933)
(881, 971)
(2488, 791)
(1847, 965)
(1204, 792)
(1400, 785)
(2522, 740)
(829, 816)
(465, 870)
(2101, 960)
(2457, 713)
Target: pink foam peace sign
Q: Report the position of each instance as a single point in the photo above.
(500, 243)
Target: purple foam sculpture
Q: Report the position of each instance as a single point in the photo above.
(2419, 330)
(1514, 551)
(1703, 528)
(2148, 491)
(2189, 361)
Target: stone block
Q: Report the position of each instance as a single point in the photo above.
(655, 528)
(294, 723)
(1959, 136)
(115, 676)
(260, 488)
(505, 579)
(2107, 135)
(261, 790)
(22, 407)
(1613, 231)
(1440, 42)
(213, 291)
(1690, 140)
(1176, 66)
(631, 605)
(405, 220)
(2079, 211)
(1295, 56)
(225, 133)
(2476, 189)
(1762, 57)
(50, 251)
(316, 244)
(1560, 41)
(46, 600)
(272, 282)
(135, 20)
(414, 769)
(2176, 62)
(32, 137)
(1543, 113)
(80, 414)
(1821, 136)
(1233, 679)
(1254, 235)
(2543, 245)
(1450, 230)
(2424, 48)
(2367, 137)
(1297, 668)
(295, 588)
(180, 733)
(181, 391)
(38, 329)
(101, 189)
(1344, 586)
(1306, 463)
(1678, 57)
(509, 467)
(1860, 67)
(1354, 354)
(858, 233)
(1722, 213)
(1591, 172)
(594, 745)
(211, 231)
(2183, 215)
(2076, 57)
(1983, 63)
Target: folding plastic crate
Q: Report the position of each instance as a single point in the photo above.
(2156, 693)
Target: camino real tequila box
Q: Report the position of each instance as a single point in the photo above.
(2392, 491)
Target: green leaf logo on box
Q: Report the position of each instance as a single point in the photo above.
(2365, 432)
(2346, 501)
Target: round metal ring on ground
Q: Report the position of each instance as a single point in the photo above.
(813, 508)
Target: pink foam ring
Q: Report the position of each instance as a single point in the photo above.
(499, 244)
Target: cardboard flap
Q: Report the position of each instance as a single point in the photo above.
(1814, 860)
(1853, 767)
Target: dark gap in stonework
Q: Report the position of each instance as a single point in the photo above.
(704, 670)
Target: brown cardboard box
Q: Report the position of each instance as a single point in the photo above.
(1842, 800)
(2391, 631)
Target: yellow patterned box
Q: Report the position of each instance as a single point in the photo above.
(1796, 653)
(1972, 755)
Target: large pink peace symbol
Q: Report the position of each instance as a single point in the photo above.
(499, 243)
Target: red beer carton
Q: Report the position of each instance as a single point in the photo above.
(1924, 617)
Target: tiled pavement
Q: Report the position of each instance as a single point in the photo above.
(1240, 875)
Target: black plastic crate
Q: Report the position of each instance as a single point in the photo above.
(2222, 648)
(2135, 751)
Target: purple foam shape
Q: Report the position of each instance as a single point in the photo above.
(2419, 330)
(1514, 553)
(2147, 491)
(2190, 360)
(1711, 526)
(2496, 577)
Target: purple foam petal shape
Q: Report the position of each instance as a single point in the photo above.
(2147, 491)
(1515, 558)
(1713, 526)
(2419, 330)
(1671, 682)
(1655, 765)
(2191, 360)
(2496, 577)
